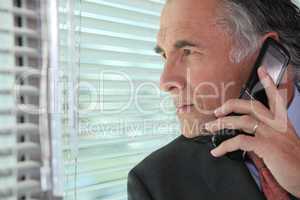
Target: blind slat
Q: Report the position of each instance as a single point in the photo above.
(124, 7)
(19, 70)
(26, 128)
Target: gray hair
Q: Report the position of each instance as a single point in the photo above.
(238, 24)
(248, 20)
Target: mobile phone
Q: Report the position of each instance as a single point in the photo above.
(275, 58)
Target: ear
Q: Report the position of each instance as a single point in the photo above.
(273, 35)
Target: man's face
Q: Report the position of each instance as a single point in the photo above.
(198, 70)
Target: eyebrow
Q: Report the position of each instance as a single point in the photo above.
(178, 45)
(184, 43)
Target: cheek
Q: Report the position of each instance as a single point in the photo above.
(207, 74)
(213, 84)
(206, 90)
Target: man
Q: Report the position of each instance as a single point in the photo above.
(209, 48)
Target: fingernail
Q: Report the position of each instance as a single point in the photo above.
(213, 152)
(206, 125)
(217, 112)
(262, 72)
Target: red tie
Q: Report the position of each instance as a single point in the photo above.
(270, 187)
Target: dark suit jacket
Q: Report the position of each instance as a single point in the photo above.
(185, 170)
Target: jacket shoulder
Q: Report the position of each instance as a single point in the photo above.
(165, 158)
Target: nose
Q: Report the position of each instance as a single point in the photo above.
(172, 79)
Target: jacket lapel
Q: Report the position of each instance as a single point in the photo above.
(226, 177)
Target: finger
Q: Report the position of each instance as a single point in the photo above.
(240, 142)
(275, 100)
(240, 106)
(245, 123)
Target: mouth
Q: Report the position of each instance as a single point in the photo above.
(184, 108)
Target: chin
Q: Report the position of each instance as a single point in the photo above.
(189, 136)
(192, 123)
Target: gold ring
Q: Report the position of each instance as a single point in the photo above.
(254, 129)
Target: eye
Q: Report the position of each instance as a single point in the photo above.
(187, 52)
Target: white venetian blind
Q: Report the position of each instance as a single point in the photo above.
(20, 150)
(114, 112)
(8, 141)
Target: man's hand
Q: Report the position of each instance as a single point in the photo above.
(275, 140)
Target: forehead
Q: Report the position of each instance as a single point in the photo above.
(170, 35)
(188, 19)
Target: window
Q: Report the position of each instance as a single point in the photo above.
(106, 110)
(20, 120)
(114, 113)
